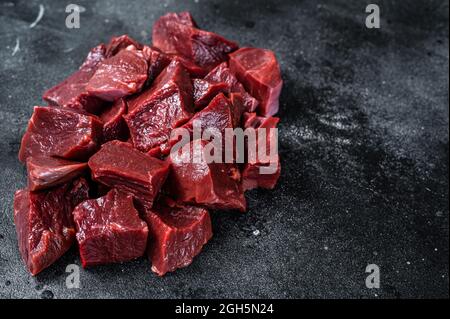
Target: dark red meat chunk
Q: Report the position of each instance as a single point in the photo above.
(123, 74)
(205, 91)
(253, 178)
(168, 104)
(222, 74)
(259, 71)
(157, 62)
(72, 91)
(237, 107)
(114, 126)
(213, 185)
(193, 69)
(117, 164)
(109, 230)
(46, 172)
(119, 43)
(167, 24)
(176, 33)
(261, 172)
(216, 117)
(60, 132)
(177, 234)
(44, 225)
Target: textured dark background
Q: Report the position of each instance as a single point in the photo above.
(363, 137)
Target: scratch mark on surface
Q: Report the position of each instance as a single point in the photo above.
(39, 17)
(17, 47)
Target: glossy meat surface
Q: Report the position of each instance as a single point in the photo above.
(252, 176)
(114, 126)
(46, 172)
(178, 233)
(213, 185)
(44, 226)
(72, 91)
(157, 62)
(222, 74)
(217, 115)
(259, 71)
(205, 91)
(117, 164)
(109, 230)
(117, 44)
(61, 132)
(123, 74)
(176, 33)
(166, 105)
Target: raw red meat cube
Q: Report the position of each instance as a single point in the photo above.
(259, 71)
(72, 91)
(123, 74)
(46, 172)
(252, 176)
(157, 62)
(217, 115)
(193, 69)
(222, 74)
(117, 164)
(61, 132)
(237, 107)
(255, 121)
(109, 230)
(114, 126)
(166, 25)
(177, 34)
(120, 43)
(168, 104)
(213, 185)
(205, 91)
(44, 225)
(177, 234)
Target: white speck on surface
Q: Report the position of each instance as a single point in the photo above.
(106, 20)
(435, 249)
(256, 232)
(408, 263)
(326, 247)
(39, 17)
(16, 48)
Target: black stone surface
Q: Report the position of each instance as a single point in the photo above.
(363, 137)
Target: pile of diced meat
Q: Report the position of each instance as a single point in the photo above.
(97, 159)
